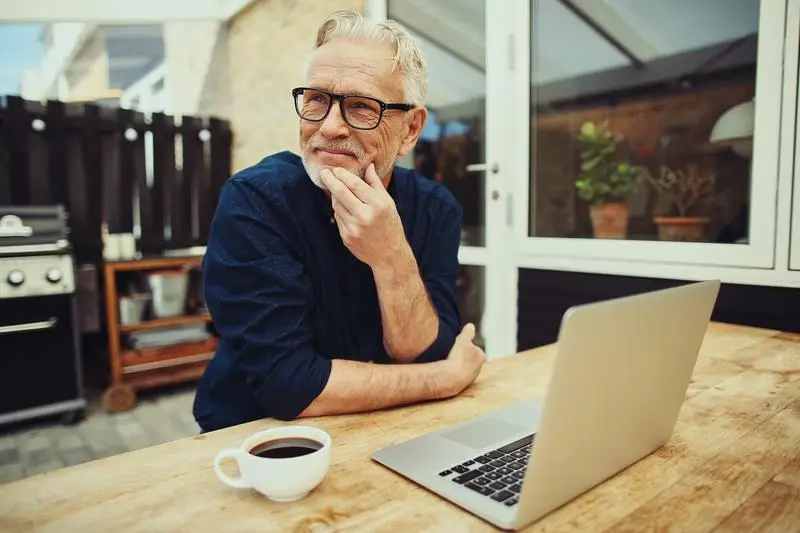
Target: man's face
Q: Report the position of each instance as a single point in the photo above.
(358, 67)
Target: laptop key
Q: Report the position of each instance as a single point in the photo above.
(486, 468)
(502, 495)
(519, 474)
(498, 485)
(517, 444)
(485, 481)
(509, 480)
(504, 471)
(445, 473)
(498, 464)
(494, 454)
(482, 460)
(469, 476)
(509, 502)
(515, 488)
(516, 466)
(494, 476)
(460, 469)
(507, 459)
(519, 454)
(468, 463)
(479, 489)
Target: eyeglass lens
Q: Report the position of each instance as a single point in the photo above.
(359, 112)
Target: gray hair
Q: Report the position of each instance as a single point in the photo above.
(408, 56)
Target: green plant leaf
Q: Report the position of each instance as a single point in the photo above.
(590, 164)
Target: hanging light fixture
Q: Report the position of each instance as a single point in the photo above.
(735, 128)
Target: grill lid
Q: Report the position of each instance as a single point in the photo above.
(33, 225)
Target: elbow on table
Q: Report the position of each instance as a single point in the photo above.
(437, 350)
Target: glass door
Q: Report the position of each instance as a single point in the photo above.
(461, 147)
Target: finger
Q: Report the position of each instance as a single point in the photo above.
(334, 185)
(372, 179)
(357, 186)
(339, 207)
(467, 333)
(342, 193)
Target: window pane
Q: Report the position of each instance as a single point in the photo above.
(453, 44)
(642, 118)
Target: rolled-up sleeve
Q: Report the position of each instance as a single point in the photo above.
(260, 297)
(439, 272)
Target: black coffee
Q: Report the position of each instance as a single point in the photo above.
(285, 448)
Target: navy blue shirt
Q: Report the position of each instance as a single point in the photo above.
(286, 296)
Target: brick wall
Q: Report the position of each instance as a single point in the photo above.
(197, 67)
(267, 46)
(87, 74)
(691, 115)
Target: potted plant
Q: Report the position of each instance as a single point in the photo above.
(605, 180)
(681, 195)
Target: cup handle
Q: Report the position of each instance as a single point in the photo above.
(232, 453)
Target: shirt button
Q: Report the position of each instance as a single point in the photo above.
(332, 221)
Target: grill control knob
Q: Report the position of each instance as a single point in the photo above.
(54, 275)
(15, 278)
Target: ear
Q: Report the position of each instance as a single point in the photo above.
(412, 129)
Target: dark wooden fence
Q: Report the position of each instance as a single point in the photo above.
(115, 166)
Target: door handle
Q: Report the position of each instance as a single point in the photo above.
(30, 326)
(482, 167)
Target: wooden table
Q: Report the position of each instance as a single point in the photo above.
(732, 465)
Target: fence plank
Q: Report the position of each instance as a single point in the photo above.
(92, 135)
(5, 171)
(77, 204)
(117, 193)
(192, 165)
(164, 172)
(57, 132)
(19, 132)
(38, 154)
(133, 161)
(221, 144)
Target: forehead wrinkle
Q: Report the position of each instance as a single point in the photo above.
(353, 66)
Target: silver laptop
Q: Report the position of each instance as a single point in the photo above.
(619, 379)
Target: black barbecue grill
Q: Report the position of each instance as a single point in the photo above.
(40, 363)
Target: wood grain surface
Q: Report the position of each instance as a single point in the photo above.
(733, 464)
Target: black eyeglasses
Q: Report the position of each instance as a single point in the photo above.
(359, 112)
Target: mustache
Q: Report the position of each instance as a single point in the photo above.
(342, 145)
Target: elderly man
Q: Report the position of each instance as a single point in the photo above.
(331, 278)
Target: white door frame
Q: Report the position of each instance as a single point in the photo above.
(499, 321)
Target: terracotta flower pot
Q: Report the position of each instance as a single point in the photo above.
(610, 221)
(681, 228)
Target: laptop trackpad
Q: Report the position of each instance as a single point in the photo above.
(482, 433)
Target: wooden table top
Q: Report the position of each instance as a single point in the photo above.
(733, 464)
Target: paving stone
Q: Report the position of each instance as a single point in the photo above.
(160, 416)
(69, 439)
(43, 468)
(11, 472)
(9, 456)
(38, 457)
(8, 442)
(34, 443)
(76, 456)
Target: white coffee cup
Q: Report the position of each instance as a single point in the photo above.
(281, 479)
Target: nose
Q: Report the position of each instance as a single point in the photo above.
(334, 126)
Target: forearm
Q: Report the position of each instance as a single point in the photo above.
(409, 319)
(355, 387)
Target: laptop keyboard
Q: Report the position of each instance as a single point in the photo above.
(497, 474)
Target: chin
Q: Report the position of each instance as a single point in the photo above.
(313, 170)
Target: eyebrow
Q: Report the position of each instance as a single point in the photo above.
(346, 93)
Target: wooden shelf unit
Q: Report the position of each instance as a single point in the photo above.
(133, 369)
